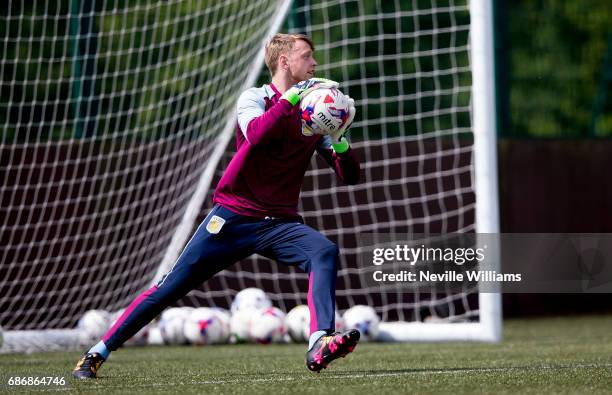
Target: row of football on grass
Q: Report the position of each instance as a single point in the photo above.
(252, 318)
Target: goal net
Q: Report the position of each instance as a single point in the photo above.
(117, 121)
(110, 113)
(408, 65)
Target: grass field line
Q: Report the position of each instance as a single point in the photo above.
(450, 371)
(285, 377)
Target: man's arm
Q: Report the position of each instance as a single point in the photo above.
(255, 122)
(346, 165)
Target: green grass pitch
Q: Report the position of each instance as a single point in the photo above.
(550, 355)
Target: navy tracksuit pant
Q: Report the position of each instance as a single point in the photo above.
(224, 238)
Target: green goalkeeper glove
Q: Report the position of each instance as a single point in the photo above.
(302, 88)
(339, 143)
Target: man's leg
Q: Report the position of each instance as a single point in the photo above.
(213, 247)
(294, 243)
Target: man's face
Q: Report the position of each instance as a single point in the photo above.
(301, 62)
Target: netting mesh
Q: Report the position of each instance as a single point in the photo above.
(406, 64)
(109, 112)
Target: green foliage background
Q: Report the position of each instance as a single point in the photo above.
(554, 67)
(556, 72)
(141, 69)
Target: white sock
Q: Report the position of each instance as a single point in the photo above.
(101, 349)
(314, 337)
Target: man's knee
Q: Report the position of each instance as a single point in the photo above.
(327, 257)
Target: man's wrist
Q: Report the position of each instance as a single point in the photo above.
(341, 146)
(292, 97)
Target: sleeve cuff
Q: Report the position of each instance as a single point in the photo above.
(341, 147)
(292, 97)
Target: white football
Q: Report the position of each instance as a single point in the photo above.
(240, 323)
(139, 339)
(171, 324)
(224, 315)
(155, 336)
(93, 324)
(268, 326)
(298, 323)
(204, 326)
(250, 299)
(323, 111)
(364, 319)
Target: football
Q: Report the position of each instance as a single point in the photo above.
(225, 316)
(268, 326)
(93, 324)
(364, 319)
(171, 324)
(298, 323)
(323, 111)
(250, 299)
(240, 322)
(204, 326)
(155, 337)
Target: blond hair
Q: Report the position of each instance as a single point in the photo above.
(282, 44)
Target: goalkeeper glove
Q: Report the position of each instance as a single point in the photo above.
(339, 143)
(302, 88)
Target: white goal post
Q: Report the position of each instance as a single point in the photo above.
(342, 212)
(488, 328)
(118, 121)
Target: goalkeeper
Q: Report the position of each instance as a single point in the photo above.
(255, 208)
